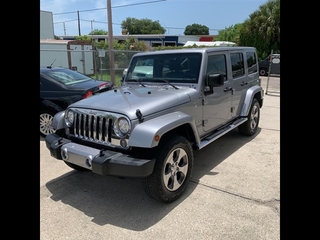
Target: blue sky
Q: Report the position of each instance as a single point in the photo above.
(173, 15)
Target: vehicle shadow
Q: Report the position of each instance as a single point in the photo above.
(123, 202)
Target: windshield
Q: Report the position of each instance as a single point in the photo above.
(67, 76)
(178, 67)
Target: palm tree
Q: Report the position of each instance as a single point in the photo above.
(262, 30)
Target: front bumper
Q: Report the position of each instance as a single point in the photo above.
(103, 162)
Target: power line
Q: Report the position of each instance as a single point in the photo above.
(119, 24)
(66, 21)
(84, 20)
(96, 9)
(133, 4)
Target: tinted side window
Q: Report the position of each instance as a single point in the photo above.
(252, 62)
(46, 85)
(237, 64)
(217, 64)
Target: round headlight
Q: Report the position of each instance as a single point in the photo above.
(122, 127)
(70, 117)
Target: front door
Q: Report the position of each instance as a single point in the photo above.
(217, 106)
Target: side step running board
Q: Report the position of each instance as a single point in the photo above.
(209, 139)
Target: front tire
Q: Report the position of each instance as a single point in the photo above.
(172, 171)
(250, 127)
(263, 72)
(46, 118)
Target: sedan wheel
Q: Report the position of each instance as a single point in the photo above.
(263, 72)
(46, 118)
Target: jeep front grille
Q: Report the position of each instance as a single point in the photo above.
(95, 126)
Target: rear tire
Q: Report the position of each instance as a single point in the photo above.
(172, 171)
(249, 127)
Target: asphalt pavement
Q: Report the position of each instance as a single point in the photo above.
(234, 193)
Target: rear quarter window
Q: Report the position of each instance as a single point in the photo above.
(252, 62)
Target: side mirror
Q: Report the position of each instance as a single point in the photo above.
(215, 80)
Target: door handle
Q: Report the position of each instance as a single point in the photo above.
(227, 89)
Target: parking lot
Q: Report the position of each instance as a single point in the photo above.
(234, 193)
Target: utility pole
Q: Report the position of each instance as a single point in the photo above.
(64, 28)
(92, 25)
(110, 37)
(79, 23)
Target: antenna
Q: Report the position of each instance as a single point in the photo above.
(51, 63)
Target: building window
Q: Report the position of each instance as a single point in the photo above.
(172, 44)
(156, 44)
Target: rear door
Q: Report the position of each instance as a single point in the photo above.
(239, 80)
(244, 75)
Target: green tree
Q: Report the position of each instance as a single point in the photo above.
(142, 26)
(129, 44)
(98, 32)
(230, 34)
(262, 29)
(93, 32)
(83, 38)
(196, 29)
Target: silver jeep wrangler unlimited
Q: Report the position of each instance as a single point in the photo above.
(170, 104)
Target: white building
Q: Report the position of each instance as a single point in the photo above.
(46, 25)
(211, 43)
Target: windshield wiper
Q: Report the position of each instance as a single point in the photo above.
(167, 81)
(136, 80)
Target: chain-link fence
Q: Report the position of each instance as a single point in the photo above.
(102, 61)
(95, 63)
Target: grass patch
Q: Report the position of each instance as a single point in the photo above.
(106, 77)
